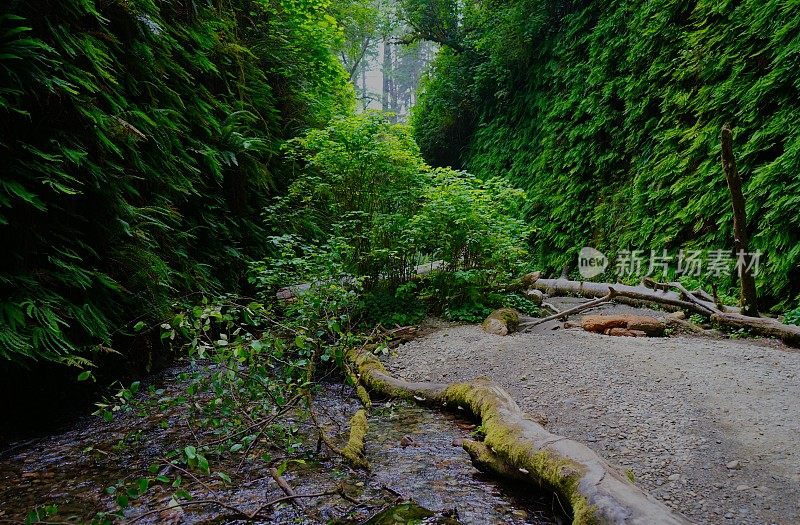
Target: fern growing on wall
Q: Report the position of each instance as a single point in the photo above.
(140, 143)
(609, 114)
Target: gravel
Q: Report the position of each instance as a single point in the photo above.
(710, 426)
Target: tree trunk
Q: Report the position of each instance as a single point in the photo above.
(749, 295)
(634, 295)
(731, 318)
(387, 75)
(516, 444)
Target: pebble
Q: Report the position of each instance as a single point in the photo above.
(734, 465)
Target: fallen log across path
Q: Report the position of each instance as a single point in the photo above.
(682, 299)
(515, 443)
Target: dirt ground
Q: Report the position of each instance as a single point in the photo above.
(711, 426)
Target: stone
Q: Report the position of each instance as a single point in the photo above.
(501, 322)
(535, 296)
(734, 465)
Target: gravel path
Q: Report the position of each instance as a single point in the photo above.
(709, 426)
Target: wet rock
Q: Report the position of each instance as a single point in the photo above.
(501, 322)
(535, 296)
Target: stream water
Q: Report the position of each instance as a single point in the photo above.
(418, 474)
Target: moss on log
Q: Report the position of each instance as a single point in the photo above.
(597, 493)
(353, 451)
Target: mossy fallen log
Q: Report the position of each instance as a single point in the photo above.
(596, 492)
(353, 451)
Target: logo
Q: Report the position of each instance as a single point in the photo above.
(591, 262)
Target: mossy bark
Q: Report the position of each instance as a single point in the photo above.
(353, 451)
(516, 443)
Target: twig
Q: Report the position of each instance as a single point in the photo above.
(285, 487)
(292, 498)
(551, 307)
(263, 429)
(585, 306)
(285, 408)
(686, 294)
(237, 511)
(188, 473)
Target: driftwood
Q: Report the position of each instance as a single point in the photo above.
(517, 444)
(285, 487)
(763, 326)
(674, 301)
(624, 324)
(634, 295)
(353, 451)
(591, 304)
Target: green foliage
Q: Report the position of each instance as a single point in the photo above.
(367, 186)
(140, 143)
(394, 306)
(469, 223)
(792, 317)
(364, 178)
(609, 115)
(250, 364)
(368, 190)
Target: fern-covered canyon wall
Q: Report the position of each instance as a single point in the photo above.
(140, 145)
(140, 142)
(609, 114)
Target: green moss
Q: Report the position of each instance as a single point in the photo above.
(507, 317)
(560, 474)
(354, 450)
(504, 440)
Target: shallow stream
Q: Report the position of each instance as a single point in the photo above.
(419, 473)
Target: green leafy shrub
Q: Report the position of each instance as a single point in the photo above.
(792, 317)
(368, 187)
